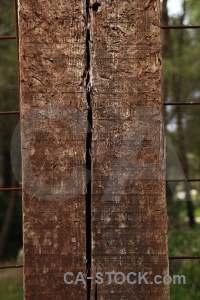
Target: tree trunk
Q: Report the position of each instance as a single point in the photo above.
(6, 168)
(177, 84)
(4, 233)
(165, 46)
(184, 163)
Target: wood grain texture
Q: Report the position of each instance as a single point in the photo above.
(78, 64)
(54, 128)
(129, 218)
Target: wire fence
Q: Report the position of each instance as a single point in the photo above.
(7, 37)
(9, 113)
(164, 104)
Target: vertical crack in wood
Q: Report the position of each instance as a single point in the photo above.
(88, 156)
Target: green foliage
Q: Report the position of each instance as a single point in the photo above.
(181, 69)
(185, 241)
(15, 235)
(7, 17)
(8, 101)
(11, 284)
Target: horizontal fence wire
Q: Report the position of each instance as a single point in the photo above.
(11, 267)
(170, 258)
(14, 112)
(183, 180)
(10, 189)
(181, 27)
(181, 103)
(7, 37)
(184, 257)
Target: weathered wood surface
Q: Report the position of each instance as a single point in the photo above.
(128, 209)
(129, 219)
(54, 129)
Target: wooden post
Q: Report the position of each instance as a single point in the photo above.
(91, 102)
(129, 219)
(54, 129)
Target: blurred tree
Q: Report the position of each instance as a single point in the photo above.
(165, 45)
(181, 83)
(10, 215)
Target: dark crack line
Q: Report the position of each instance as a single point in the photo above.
(88, 156)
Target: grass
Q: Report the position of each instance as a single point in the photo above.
(185, 241)
(182, 241)
(11, 284)
(11, 281)
(197, 212)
